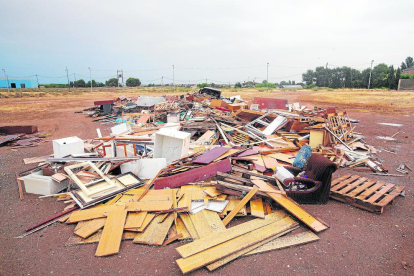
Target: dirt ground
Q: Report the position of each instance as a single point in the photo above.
(358, 242)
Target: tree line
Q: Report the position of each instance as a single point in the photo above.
(382, 76)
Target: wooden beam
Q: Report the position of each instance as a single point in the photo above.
(241, 204)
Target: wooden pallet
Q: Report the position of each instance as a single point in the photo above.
(371, 195)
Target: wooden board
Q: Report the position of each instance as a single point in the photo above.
(145, 223)
(90, 227)
(151, 206)
(242, 252)
(241, 204)
(370, 195)
(286, 241)
(256, 208)
(218, 252)
(93, 213)
(112, 233)
(135, 220)
(181, 229)
(295, 209)
(156, 232)
(189, 225)
(228, 234)
(76, 240)
(211, 155)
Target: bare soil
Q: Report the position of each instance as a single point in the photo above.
(358, 242)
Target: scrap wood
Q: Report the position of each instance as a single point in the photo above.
(218, 252)
(285, 242)
(242, 252)
(241, 204)
(156, 232)
(292, 207)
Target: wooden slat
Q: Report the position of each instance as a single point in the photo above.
(370, 191)
(189, 225)
(90, 227)
(286, 241)
(151, 206)
(361, 188)
(156, 232)
(297, 211)
(380, 193)
(349, 187)
(147, 220)
(228, 234)
(181, 229)
(336, 181)
(256, 208)
(135, 220)
(112, 233)
(93, 213)
(242, 252)
(200, 224)
(213, 220)
(388, 198)
(344, 183)
(241, 204)
(217, 252)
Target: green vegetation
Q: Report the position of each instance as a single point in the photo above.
(133, 82)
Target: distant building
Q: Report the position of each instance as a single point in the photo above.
(291, 86)
(17, 83)
(408, 71)
(406, 84)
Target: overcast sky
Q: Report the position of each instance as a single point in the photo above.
(219, 40)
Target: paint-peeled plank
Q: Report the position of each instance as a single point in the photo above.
(220, 251)
(286, 241)
(242, 252)
(211, 155)
(112, 233)
(228, 234)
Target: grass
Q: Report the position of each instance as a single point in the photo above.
(379, 101)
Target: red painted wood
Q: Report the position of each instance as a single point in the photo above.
(198, 174)
(211, 155)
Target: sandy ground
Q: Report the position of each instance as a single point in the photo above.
(358, 242)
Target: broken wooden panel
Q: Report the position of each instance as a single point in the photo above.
(194, 175)
(218, 252)
(256, 208)
(90, 227)
(240, 205)
(156, 232)
(135, 220)
(112, 233)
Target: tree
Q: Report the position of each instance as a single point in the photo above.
(112, 82)
(391, 78)
(308, 77)
(238, 84)
(407, 64)
(133, 82)
(80, 83)
(202, 85)
(379, 76)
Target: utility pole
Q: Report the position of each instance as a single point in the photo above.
(327, 75)
(267, 77)
(74, 84)
(122, 77)
(173, 78)
(8, 89)
(117, 76)
(67, 74)
(369, 81)
(162, 81)
(37, 81)
(90, 76)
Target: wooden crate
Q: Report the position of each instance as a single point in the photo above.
(371, 195)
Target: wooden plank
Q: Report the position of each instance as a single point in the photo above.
(93, 213)
(189, 225)
(336, 181)
(217, 252)
(228, 234)
(90, 227)
(241, 204)
(352, 185)
(135, 220)
(181, 229)
(76, 240)
(112, 233)
(242, 252)
(213, 192)
(267, 208)
(211, 155)
(370, 191)
(344, 183)
(256, 208)
(361, 188)
(285, 242)
(172, 239)
(151, 206)
(148, 219)
(156, 232)
(297, 211)
(200, 224)
(391, 196)
(213, 221)
(380, 193)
